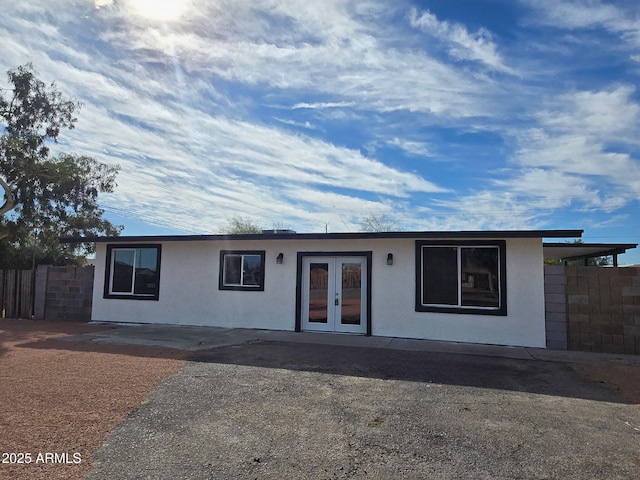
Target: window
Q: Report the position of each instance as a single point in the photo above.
(461, 277)
(133, 272)
(241, 270)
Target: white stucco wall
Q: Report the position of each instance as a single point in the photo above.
(394, 304)
(189, 292)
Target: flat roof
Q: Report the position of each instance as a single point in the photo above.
(580, 251)
(333, 236)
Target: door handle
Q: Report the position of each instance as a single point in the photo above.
(337, 302)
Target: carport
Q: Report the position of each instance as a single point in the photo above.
(566, 252)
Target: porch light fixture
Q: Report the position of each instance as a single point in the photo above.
(389, 258)
(280, 258)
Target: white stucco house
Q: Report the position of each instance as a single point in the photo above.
(465, 286)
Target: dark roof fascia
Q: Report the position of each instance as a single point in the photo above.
(333, 236)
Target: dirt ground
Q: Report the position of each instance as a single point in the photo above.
(61, 397)
(625, 380)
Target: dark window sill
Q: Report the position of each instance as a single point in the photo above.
(241, 288)
(502, 312)
(131, 297)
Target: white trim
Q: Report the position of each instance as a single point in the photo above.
(334, 293)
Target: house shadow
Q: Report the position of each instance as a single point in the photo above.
(72, 336)
(476, 371)
(147, 351)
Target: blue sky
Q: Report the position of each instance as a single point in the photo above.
(441, 115)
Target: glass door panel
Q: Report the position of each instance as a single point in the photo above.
(351, 311)
(318, 292)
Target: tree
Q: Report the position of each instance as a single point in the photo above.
(238, 224)
(377, 223)
(8, 197)
(54, 195)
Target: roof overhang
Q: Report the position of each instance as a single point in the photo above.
(494, 234)
(584, 251)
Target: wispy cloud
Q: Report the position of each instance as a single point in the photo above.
(287, 121)
(610, 114)
(420, 149)
(619, 18)
(577, 157)
(591, 135)
(462, 44)
(328, 49)
(321, 105)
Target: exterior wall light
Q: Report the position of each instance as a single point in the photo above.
(389, 258)
(280, 258)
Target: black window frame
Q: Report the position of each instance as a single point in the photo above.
(501, 310)
(241, 253)
(108, 272)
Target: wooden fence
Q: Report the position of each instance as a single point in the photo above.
(16, 293)
(56, 293)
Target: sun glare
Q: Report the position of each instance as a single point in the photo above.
(161, 10)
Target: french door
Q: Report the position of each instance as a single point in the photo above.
(334, 294)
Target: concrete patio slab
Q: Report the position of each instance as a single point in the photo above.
(196, 338)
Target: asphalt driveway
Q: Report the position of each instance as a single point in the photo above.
(270, 409)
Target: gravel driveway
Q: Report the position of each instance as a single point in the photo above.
(278, 410)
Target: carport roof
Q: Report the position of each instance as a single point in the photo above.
(288, 235)
(583, 251)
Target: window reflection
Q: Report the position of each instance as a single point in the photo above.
(251, 270)
(318, 290)
(479, 277)
(122, 279)
(351, 293)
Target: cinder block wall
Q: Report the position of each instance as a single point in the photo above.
(603, 309)
(555, 303)
(64, 293)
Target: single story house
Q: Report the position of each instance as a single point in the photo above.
(463, 286)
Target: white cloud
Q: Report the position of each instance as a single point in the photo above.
(549, 190)
(591, 135)
(463, 45)
(293, 123)
(326, 50)
(619, 18)
(579, 157)
(607, 114)
(158, 10)
(420, 149)
(487, 209)
(190, 169)
(181, 166)
(321, 105)
(583, 156)
(576, 14)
